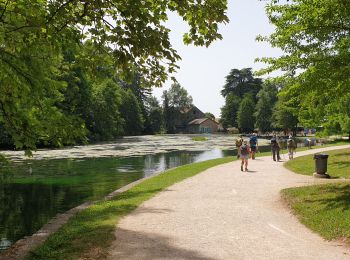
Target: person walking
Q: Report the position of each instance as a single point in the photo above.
(253, 142)
(291, 146)
(239, 142)
(275, 148)
(244, 154)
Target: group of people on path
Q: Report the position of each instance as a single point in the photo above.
(246, 151)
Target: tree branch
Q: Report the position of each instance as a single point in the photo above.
(3, 12)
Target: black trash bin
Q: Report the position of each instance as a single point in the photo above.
(321, 165)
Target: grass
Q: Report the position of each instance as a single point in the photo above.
(338, 164)
(90, 232)
(323, 208)
(199, 138)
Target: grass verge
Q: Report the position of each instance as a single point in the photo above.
(88, 234)
(338, 164)
(323, 208)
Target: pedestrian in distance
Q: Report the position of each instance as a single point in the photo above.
(253, 142)
(239, 142)
(244, 154)
(291, 146)
(275, 148)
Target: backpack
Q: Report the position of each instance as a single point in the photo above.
(244, 149)
(290, 143)
(274, 142)
(252, 141)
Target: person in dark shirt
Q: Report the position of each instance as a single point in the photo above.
(253, 142)
(275, 148)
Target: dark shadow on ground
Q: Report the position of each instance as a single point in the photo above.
(342, 164)
(344, 153)
(340, 199)
(144, 210)
(139, 245)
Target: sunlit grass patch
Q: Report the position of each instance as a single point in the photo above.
(323, 208)
(338, 164)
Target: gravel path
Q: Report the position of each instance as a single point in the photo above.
(224, 213)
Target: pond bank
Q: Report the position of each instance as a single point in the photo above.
(99, 223)
(34, 191)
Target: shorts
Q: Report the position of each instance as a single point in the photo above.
(253, 148)
(244, 156)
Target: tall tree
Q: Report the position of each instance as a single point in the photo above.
(229, 111)
(131, 112)
(178, 97)
(154, 115)
(209, 115)
(315, 37)
(285, 113)
(267, 98)
(175, 101)
(240, 82)
(168, 114)
(106, 120)
(142, 91)
(245, 114)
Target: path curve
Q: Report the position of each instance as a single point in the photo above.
(224, 213)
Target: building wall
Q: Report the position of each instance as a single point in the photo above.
(182, 119)
(193, 129)
(208, 126)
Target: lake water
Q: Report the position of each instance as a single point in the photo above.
(32, 191)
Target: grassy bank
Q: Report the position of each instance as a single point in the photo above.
(89, 233)
(323, 208)
(338, 164)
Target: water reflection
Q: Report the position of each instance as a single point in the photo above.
(34, 191)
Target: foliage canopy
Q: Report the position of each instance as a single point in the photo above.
(315, 38)
(119, 36)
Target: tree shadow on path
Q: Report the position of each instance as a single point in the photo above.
(141, 245)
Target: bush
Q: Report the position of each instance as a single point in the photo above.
(233, 130)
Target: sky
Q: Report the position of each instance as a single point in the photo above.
(203, 70)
